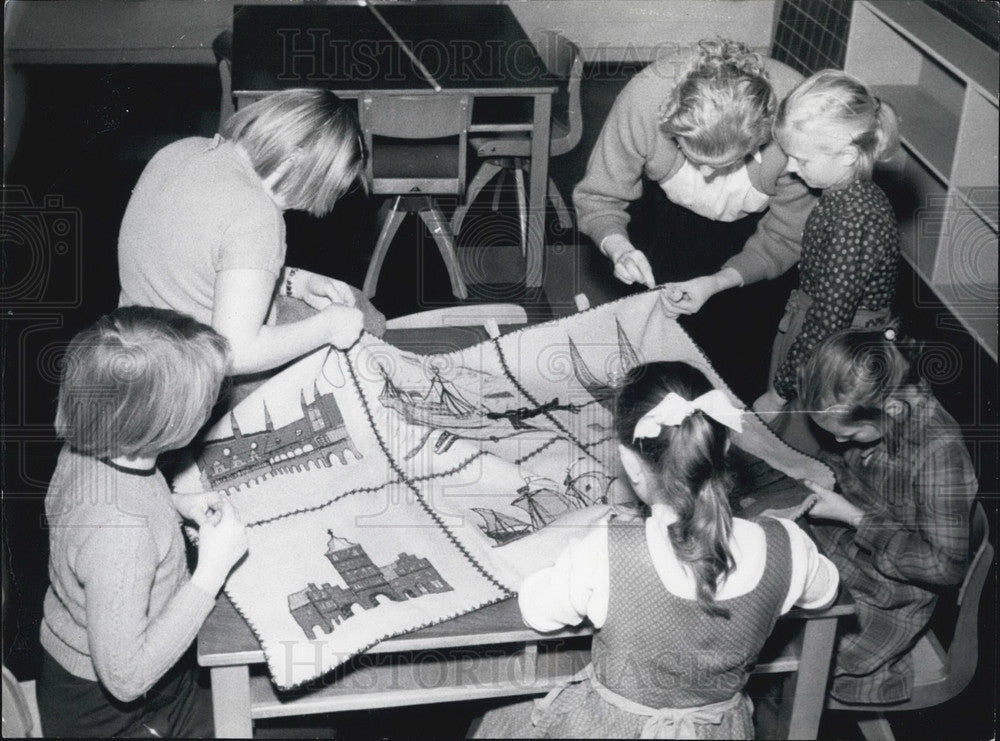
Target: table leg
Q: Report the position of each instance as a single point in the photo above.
(805, 692)
(538, 189)
(231, 701)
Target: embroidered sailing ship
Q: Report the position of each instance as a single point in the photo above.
(441, 405)
(500, 527)
(603, 390)
(543, 500)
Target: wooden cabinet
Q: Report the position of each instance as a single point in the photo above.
(943, 83)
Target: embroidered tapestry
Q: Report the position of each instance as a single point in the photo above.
(384, 491)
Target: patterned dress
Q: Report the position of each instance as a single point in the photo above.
(661, 666)
(850, 257)
(913, 542)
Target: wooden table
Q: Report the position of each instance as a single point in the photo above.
(406, 49)
(486, 653)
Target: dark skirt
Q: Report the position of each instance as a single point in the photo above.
(175, 707)
(735, 328)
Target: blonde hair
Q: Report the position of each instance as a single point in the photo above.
(315, 130)
(723, 103)
(692, 465)
(850, 114)
(138, 382)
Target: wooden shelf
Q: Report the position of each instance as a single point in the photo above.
(977, 317)
(983, 201)
(942, 40)
(928, 128)
(943, 83)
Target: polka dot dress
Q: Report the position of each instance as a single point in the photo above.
(850, 258)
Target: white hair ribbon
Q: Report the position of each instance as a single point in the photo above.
(674, 409)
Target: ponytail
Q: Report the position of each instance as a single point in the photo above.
(886, 130)
(695, 478)
(700, 538)
(836, 101)
(879, 141)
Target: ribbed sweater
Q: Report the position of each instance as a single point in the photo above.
(120, 608)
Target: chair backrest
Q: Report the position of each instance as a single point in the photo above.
(222, 48)
(963, 653)
(17, 719)
(416, 143)
(563, 60)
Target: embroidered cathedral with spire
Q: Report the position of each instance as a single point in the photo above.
(316, 437)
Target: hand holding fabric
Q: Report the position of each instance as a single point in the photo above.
(198, 507)
(769, 405)
(830, 505)
(320, 291)
(632, 266)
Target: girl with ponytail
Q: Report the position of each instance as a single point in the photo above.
(833, 130)
(682, 598)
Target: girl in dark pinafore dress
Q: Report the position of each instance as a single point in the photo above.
(684, 598)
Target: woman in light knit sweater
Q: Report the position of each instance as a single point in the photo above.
(122, 610)
(699, 127)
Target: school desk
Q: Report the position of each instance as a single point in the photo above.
(395, 49)
(483, 654)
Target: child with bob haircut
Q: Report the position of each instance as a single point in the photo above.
(683, 598)
(833, 130)
(121, 609)
(204, 232)
(898, 530)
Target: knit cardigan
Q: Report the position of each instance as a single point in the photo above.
(631, 145)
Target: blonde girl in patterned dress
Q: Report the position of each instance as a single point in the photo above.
(833, 130)
(682, 598)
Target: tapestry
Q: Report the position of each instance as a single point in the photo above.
(384, 491)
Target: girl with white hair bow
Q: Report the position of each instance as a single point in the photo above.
(682, 599)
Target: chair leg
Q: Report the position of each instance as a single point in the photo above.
(522, 207)
(391, 217)
(486, 172)
(497, 192)
(565, 220)
(876, 728)
(439, 227)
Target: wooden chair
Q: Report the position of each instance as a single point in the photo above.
(416, 148)
(222, 48)
(511, 151)
(940, 674)
(20, 708)
(488, 316)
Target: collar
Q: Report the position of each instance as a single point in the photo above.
(127, 469)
